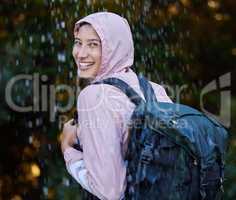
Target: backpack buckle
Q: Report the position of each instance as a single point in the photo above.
(147, 153)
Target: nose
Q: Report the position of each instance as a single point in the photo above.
(82, 52)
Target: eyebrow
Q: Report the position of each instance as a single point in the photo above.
(89, 40)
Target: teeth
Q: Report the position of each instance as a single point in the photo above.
(85, 65)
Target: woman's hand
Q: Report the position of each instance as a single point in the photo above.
(68, 136)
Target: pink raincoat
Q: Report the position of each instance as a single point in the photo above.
(104, 113)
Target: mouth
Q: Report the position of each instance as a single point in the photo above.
(85, 65)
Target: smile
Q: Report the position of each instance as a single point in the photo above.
(84, 66)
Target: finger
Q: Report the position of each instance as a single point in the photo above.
(69, 122)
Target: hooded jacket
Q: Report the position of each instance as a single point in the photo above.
(104, 112)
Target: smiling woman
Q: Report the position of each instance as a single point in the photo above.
(87, 51)
(103, 49)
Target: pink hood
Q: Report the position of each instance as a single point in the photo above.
(117, 43)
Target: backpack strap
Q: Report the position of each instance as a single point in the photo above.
(147, 89)
(124, 87)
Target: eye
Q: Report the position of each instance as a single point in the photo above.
(77, 42)
(92, 44)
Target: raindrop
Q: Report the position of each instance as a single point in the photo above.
(38, 122)
(21, 41)
(147, 5)
(166, 53)
(30, 124)
(30, 39)
(88, 2)
(70, 74)
(43, 38)
(76, 14)
(49, 147)
(63, 24)
(61, 57)
(57, 25)
(51, 41)
(30, 139)
(17, 62)
(65, 181)
(45, 189)
(49, 36)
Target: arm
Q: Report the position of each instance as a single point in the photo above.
(73, 158)
(100, 168)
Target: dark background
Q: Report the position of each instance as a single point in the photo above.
(180, 42)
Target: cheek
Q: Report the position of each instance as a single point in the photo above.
(73, 52)
(98, 56)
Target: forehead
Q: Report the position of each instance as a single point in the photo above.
(86, 31)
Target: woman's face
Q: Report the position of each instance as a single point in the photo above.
(87, 51)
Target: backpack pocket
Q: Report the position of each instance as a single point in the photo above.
(212, 183)
(166, 153)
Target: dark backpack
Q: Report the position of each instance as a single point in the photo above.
(174, 152)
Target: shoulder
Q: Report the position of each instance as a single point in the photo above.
(100, 94)
(156, 86)
(96, 91)
(91, 96)
(158, 89)
(91, 92)
(160, 92)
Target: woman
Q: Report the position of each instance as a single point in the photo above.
(103, 48)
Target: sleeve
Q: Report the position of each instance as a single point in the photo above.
(75, 166)
(100, 169)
